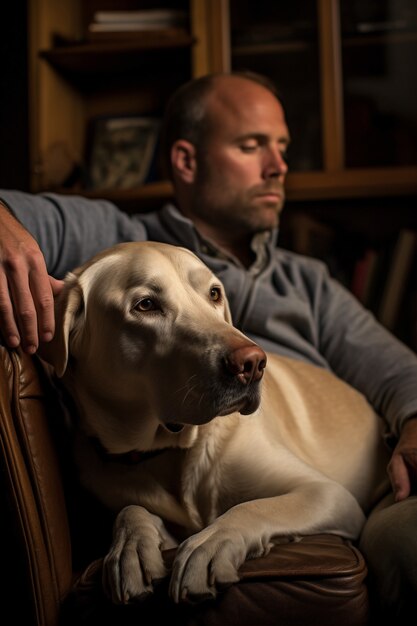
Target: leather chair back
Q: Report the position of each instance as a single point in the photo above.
(35, 515)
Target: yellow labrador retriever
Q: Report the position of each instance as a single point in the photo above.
(173, 433)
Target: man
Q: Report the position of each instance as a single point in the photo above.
(225, 141)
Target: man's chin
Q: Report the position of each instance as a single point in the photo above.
(267, 221)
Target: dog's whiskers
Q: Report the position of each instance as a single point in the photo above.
(188, 387)
(185, 386)
(187, 394)
(201, 398)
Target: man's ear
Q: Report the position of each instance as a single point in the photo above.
(68, 305)
(183, 160)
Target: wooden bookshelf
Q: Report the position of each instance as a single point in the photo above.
(75, 79)
(77, 76)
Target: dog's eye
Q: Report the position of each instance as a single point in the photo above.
(146, 304)
(215, 294)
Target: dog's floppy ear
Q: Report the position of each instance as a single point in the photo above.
(67, 305)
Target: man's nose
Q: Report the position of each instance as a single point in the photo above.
(275, 164)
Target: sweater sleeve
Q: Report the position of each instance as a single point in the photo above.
(71, 229)
(366, 355)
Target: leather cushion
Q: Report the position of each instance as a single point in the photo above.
(318, 580)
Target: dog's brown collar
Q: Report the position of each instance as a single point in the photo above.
(133, 457)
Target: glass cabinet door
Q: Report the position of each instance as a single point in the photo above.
(280, 40)
(347, 74)
(379, 69)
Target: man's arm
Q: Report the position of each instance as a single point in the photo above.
(52, 235)
(367, 356)
(371, 359)
(26, 291)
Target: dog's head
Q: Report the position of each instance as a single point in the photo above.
(145, 328)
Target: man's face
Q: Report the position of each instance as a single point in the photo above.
(241, 169)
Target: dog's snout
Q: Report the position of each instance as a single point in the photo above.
(246, 363)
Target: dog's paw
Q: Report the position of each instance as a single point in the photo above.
(134, 563)
(206, 563)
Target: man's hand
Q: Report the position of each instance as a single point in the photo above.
(26, 291)
(402, 468)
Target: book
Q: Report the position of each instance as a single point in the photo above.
(114, 24)
(364, 275)
(402, 259)
(126, 27)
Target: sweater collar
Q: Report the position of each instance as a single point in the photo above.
(184, 231)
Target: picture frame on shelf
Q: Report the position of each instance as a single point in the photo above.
(121, 151)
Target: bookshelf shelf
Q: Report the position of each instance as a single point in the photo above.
(351, 183)
(271, 48)
(380, 39)
(300, 187)
(145, 196)
(124, 53)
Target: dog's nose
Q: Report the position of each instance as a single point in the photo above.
(247, 363)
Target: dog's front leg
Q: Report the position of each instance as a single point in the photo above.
(134, 562)
(210, 559)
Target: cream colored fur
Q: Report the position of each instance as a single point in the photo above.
(143, 331)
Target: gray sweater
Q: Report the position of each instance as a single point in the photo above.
(286, 302)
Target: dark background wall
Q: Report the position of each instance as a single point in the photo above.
(14, 122)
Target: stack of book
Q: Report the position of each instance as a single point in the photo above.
(121, 24)
(381, 277)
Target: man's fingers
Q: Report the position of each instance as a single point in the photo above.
(24, 311)
(399, 477)
(26, 293)
(402, 468)
(27, 308)
(56, 285)
(8, 325)
(27, 304)
(43, 298)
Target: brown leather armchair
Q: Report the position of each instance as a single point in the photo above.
(54, 537)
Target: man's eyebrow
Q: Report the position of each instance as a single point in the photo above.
(253, 135)
(283, 139)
